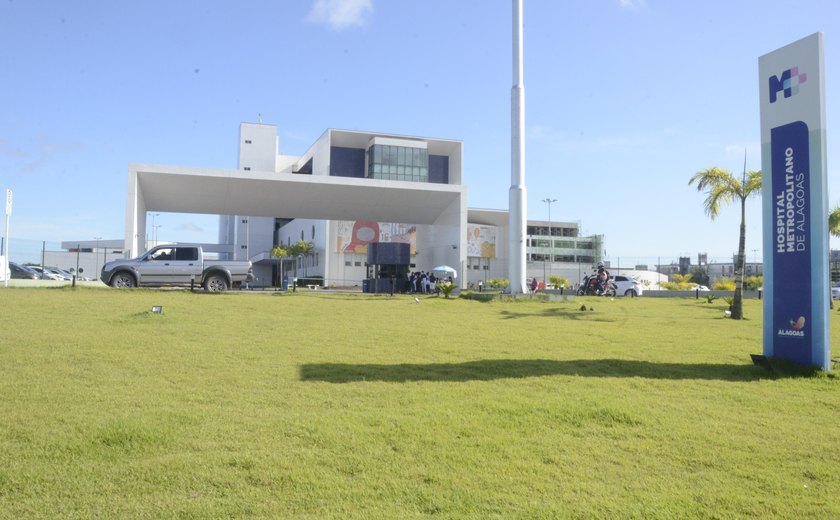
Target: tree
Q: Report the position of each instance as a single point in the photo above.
(834, 230)
(280, 252)
(700, 276)
(722, 188)
(301, 248)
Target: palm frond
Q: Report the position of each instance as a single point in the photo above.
(834, 222)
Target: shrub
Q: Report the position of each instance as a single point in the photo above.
(480, 297)
(445, 287)
(753, 282)
(724, 284)
(498, 282)
(558, 281)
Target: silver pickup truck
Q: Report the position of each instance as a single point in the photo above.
(176, 265)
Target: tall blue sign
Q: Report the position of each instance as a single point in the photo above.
(795, 204)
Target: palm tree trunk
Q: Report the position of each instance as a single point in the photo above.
(737, 302)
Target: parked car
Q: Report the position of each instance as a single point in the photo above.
(66, 275)
(45, 274)
(176, 265)
(700, 288)
(627, 286)
(22, 272)
(835, 292)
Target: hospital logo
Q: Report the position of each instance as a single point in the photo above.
(795, 328)
(788, 83)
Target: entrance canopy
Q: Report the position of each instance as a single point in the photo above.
(178, 189)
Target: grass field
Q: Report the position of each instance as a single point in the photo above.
(313, 405)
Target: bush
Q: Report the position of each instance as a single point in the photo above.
(753, 282)
(724, 284)
(445, 287)
(498, 283)
(558, 281)
(479, 297)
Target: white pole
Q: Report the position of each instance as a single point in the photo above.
(548, 201)
(6, 273)
(517, 206)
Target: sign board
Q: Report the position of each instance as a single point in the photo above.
(795, 203)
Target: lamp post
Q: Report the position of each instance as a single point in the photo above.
(154, 227)
(96, 256)
(550, 238)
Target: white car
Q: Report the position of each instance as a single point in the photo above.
(835, 292)
(627, 286)
(45, 274)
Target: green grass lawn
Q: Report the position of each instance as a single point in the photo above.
(313, 405)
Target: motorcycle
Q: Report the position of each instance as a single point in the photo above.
(590, 287)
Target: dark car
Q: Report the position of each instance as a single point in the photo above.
(22, 272)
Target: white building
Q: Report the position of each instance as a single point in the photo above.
(349, 189)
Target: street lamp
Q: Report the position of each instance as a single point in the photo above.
(154, 227)
(96, 256)
(550, 239)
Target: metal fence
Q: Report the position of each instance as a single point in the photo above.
(86, 261)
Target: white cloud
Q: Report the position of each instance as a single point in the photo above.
(631, 4)
(341, 14)
(190, 227)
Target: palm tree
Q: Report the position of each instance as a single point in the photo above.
(834, 230)
(722, 188)
(302, 248)
(834, 222)
(280, 252)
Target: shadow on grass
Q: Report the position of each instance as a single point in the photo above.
(491, 369)
(558, 312)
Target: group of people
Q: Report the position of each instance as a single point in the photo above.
(421, 282)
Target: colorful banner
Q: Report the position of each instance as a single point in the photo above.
(354, 236)
(795, 204)
(481, 241)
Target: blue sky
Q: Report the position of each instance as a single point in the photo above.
(625, 100)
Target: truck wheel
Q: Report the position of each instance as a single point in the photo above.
(215, 283)
(122, 281)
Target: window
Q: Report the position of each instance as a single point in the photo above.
(313, 231)
(399, 163)
(247, 168)
(162, 254)
(247, 141)
(186, 253)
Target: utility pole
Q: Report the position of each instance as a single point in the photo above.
(517, 212)
(550, 239)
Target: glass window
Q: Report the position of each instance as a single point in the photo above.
(398, 163)
(186, 253)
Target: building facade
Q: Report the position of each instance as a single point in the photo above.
(348, 190)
